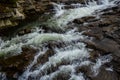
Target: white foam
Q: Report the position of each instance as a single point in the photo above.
(109, 69)
(65, 69)
(41, 38)
(99, 62)
(11, 50)
(15, 44)
(71, 14)
(73, 51)
(58, 9)
(77, 77)
(68, 55)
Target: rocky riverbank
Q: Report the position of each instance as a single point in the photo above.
(103, 34)
(19, 12)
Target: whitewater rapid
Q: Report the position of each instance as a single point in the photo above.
(73, 55)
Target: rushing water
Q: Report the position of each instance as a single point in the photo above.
(66, 59)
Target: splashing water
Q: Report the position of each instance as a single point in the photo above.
(58, 9)
(14, 45)
(71, 14)
(66, 59)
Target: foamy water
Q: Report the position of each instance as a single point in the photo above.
(73, 55)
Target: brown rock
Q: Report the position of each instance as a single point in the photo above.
(94, 32)
(17, 64)
(105, 45)
(106, 75)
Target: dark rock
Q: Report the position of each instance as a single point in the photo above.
(45, 57)
(94, 55)
(103, 73)
(17, 64)
(94, 32)
(24, 31)
(84, 19)
(116, 65)
(106, 75)
(106, 45)
(62, 76)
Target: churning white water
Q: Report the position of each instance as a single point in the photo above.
(66, 16)
(66, 59)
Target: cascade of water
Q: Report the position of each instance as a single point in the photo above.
(71, 14)
(64, 58)
(58, 9)
(68, 54)
(27, 72)
(99, 62)
(15, 44)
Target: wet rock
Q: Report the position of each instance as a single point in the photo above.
(24, 31)
(104, 31)
(45, 57)
(94, 55)
(16, 65)
(62, 76)
(115, 62)
(105, 74)
(115, 35)
(106, 45)
(85, 69)
(105, 35)
(84, 19)
(11, 16)
(94, 32)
